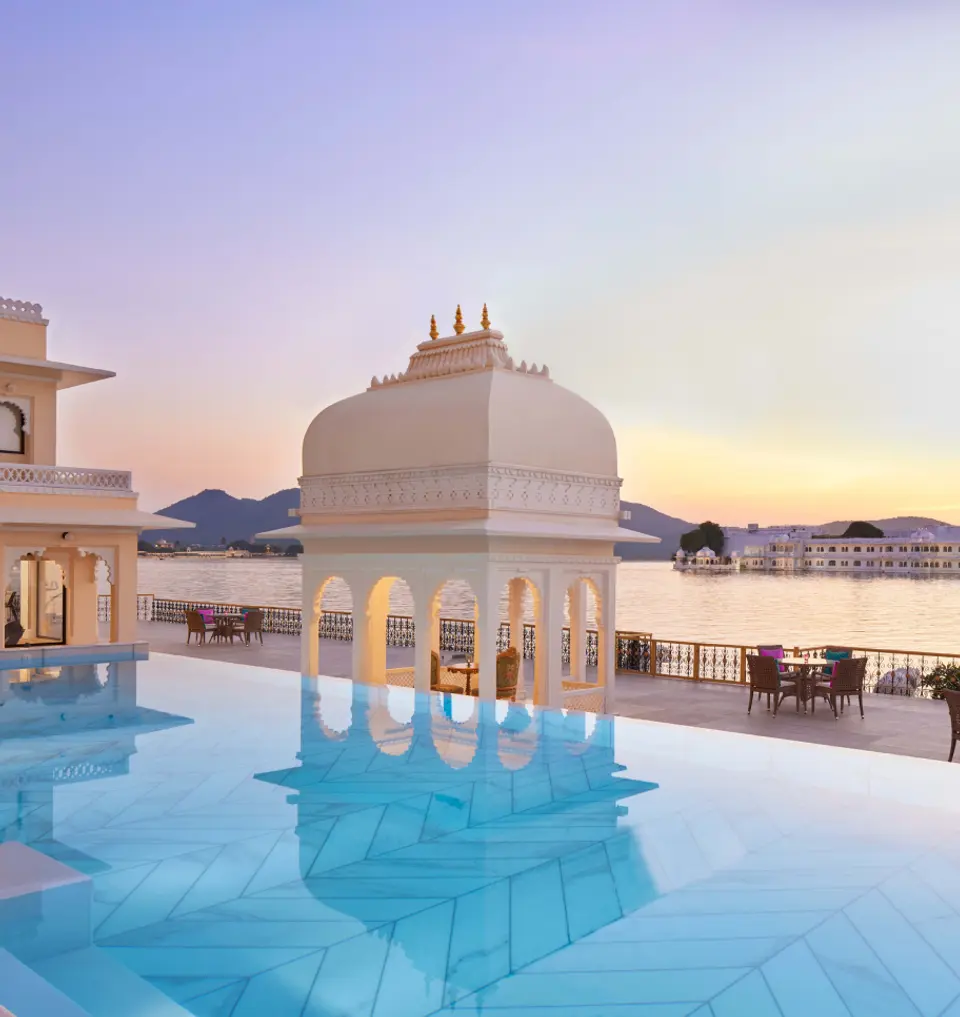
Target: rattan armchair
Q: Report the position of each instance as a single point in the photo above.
(765, 677)
(953, 704)
(435, 684)
(846, 680)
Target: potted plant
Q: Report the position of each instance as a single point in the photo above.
(943, 678)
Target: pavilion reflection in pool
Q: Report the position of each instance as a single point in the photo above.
(468, 850)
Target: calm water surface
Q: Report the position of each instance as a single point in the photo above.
(888, 612)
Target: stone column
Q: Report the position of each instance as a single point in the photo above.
(82, 600)
(309, 626)
(370, 607)
(517, 589)
(424, 613)
(485, 637)
(549, 666)
(578, 631)
(123, 608)
(606, 636)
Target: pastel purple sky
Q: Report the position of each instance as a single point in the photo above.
(733, 226)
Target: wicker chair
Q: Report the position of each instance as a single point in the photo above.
(253, 626)
(196, 626)
(953, 704)
(765, 677)
(846, 681)
(776, 651)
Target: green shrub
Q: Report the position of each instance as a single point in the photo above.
(943, 678)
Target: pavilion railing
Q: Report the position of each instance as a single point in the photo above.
(895, 672)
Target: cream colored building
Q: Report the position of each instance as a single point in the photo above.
(57, 522)
(466, 466)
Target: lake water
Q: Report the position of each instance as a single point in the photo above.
(880, 611)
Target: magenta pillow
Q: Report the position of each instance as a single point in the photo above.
(206, 613)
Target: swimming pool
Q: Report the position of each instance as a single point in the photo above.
(227, 841)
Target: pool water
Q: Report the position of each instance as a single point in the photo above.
(225, 841)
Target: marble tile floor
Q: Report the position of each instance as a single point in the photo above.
(901, 726)
(305, 853)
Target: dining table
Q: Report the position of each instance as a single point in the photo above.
(806, 671)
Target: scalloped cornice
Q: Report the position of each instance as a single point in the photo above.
(21, 310)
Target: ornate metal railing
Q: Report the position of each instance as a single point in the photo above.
(144, 607)
(64, 478)
(895, 672)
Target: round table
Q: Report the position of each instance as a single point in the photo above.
(803, 668)
(467, 670)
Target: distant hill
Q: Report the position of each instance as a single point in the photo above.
(219, 515)
(657, 524)
(891, 525)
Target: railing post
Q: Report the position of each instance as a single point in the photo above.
(743, 665)
(696, 662)
(653, 657)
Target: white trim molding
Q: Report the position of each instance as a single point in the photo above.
(486, 486)
(105, 554)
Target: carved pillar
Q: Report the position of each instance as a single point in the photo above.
(578, 631)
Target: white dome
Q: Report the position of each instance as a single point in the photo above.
(461, 402)
(705, 552)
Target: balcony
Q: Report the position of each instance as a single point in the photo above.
(64, 480)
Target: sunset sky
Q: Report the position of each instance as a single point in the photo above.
(733, 226)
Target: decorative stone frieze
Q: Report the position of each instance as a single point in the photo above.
(21, 310)
(486, 487)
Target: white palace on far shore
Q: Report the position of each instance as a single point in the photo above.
(927, 551)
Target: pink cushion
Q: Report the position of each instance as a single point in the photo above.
(206, 613)
(778, 653)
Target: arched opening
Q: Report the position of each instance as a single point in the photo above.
(520, 609)
(327, 627)
(452, 639)
(382, 640)
(581, 605)
(35, 601)
(12, 433)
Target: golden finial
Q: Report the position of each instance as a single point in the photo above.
(485, 320)
(434, 334)
(458, 323)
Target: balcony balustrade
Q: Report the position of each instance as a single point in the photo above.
(30, 479)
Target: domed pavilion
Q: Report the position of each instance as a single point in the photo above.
(466, 466)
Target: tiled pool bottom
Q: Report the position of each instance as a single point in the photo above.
(345, 851)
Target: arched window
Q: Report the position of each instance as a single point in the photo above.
(11, 428)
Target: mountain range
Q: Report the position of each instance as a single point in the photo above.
(221, 518)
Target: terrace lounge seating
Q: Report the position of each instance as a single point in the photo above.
(953, 704)
(833, 654)
(197, 626)
(435, 684)
(846, 680)
(765, 677)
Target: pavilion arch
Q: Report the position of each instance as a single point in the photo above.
(332, 623)
(370, 636)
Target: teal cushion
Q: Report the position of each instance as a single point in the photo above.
(834, 655)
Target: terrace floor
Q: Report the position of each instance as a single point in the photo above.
(906, 727)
